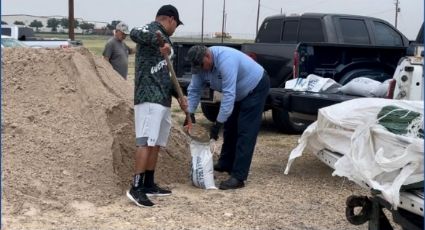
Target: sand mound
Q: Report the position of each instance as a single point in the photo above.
(68, 132)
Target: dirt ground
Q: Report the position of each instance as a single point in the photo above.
(67, 159)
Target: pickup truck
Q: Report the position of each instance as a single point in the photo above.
(26, 36)
(357, 142)
(341, 47)
(406, 84)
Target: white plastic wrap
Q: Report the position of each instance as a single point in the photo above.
(371, 154)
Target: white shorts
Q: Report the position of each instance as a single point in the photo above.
(152, 124)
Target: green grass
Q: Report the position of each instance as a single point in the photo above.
(96, 44)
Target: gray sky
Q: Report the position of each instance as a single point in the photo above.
(241, 14)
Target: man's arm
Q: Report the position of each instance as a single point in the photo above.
(130, 50)
(107, 51)
(194, 92)
(142, 35)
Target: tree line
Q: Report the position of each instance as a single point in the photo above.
(54, 23)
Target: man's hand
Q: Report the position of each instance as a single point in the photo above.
(192, 119)
(165, 50)
(183, 103)
(215, 129)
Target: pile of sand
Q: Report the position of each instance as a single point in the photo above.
(68, 132)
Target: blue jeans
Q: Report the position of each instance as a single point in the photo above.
(241, 130)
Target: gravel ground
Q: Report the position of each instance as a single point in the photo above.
(68, 147)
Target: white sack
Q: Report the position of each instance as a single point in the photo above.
(366, 87)
(202, 172)
(383, 160)
(313, 83)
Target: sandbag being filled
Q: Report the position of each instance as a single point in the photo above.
(202, 172)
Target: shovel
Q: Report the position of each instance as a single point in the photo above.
(194, 131)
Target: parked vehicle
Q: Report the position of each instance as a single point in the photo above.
(9, 42)
(408, 77)
(407, 84)
(341, 47)
(26, 36)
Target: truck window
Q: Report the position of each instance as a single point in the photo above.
(311, 30)
(386, 36)
(25, 32)
(6, 31)
(290, 31)
(354, 31)
(270, 31)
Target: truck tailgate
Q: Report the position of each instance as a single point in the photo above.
(304, 102)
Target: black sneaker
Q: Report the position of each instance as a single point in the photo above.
(231, 183)
(139, 197)
(155, 190)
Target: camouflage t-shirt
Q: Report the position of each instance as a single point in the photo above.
(152, 80)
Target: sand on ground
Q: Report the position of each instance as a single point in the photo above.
(67, 159)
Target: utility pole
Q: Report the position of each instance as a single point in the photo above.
(202, 30)
(258, 17)
(71, 19)
(222, 26)
(397, 10)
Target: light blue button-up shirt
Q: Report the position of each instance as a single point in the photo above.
(234, 74)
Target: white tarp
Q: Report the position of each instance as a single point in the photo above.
(383, 160)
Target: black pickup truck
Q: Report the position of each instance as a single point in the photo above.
(341, 47)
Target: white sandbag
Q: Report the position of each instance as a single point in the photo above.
(290, 84)
(361, 86)
(382, 89)
(202, 172)
(313, 83)
(371, 154)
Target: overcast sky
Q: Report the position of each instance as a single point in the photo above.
(241, 14)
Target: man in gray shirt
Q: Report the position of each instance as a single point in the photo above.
(116, 51)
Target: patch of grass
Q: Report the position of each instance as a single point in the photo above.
(96, 44)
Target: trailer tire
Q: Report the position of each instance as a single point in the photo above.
(285, 124)
(364, 215)
(210, 111)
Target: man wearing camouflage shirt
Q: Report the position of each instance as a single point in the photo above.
(152, 101)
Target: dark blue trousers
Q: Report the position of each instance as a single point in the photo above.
(241, 130)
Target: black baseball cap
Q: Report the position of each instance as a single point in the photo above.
(171, 11)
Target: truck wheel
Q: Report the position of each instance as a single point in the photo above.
(285, 124)
(210, 111)
(374, 73)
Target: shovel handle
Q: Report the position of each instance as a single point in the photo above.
(174, 78)
(170, 67)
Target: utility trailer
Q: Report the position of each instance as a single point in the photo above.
(410, 212)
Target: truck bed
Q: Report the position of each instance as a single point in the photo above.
(304, 102)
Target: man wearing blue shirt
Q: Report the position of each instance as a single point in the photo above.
(244, 86)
